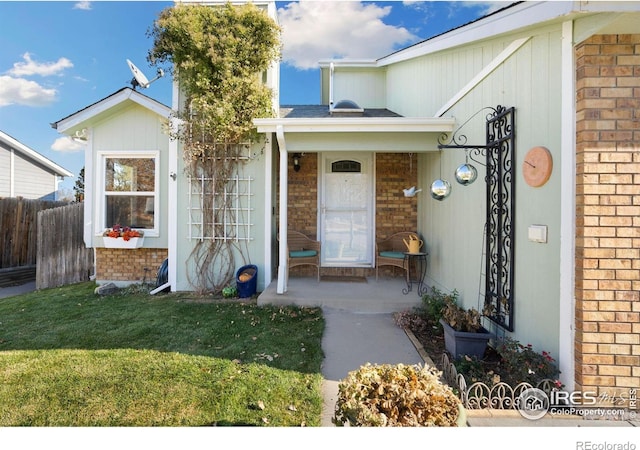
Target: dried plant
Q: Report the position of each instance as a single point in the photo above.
(395, 396)
(461, 319)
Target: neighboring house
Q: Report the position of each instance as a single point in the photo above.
(549, 239)
(26, 173)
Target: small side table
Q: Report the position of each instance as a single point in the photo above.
(416, 265)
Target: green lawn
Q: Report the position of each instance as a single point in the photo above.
(71, 358)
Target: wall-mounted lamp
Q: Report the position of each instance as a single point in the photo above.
(296, 161)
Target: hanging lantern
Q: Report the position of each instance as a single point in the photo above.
(440, 189)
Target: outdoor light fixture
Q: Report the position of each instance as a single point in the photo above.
(296, 161)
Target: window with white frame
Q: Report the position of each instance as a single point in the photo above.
(129, 193)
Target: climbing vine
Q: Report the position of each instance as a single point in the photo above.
(219, 56)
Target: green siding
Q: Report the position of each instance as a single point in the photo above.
(529, 80)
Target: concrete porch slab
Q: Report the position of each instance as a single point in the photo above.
(382, 296)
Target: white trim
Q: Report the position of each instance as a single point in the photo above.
(89, 189)
(357, 124)
(100, 218)
(514, 18)
(484, 73)
(567, 210)
(172, 198)
(76, 119)
(364, 63)
(29, 152)
(12, 173)
(283, 222)
(268, 205)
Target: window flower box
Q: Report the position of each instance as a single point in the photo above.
(135, 242)
(122, 237)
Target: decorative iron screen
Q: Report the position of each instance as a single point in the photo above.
(500, 219)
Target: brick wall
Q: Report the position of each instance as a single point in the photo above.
(127, 265)
(394, 211)
(303, 196)
(607, 345)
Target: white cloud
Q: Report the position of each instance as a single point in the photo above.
(317, 30)
(67, 145)
(24, 92)
(82, 5)
(31, 67)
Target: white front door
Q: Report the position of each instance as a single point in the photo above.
(346, 209)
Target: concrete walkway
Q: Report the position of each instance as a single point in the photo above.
(10, 291)
(353, 339)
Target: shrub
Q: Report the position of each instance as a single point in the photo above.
(434, 302)
(230, 292)
(520, 363)
(395, 396)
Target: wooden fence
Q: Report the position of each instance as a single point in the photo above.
(62, 255)
(19, 230)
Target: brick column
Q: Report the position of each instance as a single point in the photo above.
(607, 345)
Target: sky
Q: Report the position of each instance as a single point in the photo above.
(58, 57)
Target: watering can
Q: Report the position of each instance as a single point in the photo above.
(414, 244)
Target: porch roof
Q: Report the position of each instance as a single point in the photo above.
(317, 119)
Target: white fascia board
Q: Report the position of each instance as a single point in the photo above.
(515, 18)
(73, 121)
(365, 63)
(357, 124)
(19, 146)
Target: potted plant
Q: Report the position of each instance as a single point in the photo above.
(120, 236)
(463, 332)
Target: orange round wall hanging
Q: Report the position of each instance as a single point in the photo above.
(537, 166)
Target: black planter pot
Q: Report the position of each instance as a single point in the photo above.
(460, 343)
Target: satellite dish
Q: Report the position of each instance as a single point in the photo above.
(139, 78)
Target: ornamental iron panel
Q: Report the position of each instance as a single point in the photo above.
(500, 219)
(499, 259)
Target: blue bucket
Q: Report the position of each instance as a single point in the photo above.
(247, 288)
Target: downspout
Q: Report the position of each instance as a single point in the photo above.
(282, 252)
(567, 210)
(331, 67)
(268, 210)
(89, 201)
(172, 200)
(12, 174)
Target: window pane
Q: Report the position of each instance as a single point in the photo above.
(130, 174)
(136, 212)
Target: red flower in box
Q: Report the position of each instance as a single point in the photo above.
(126, 233)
